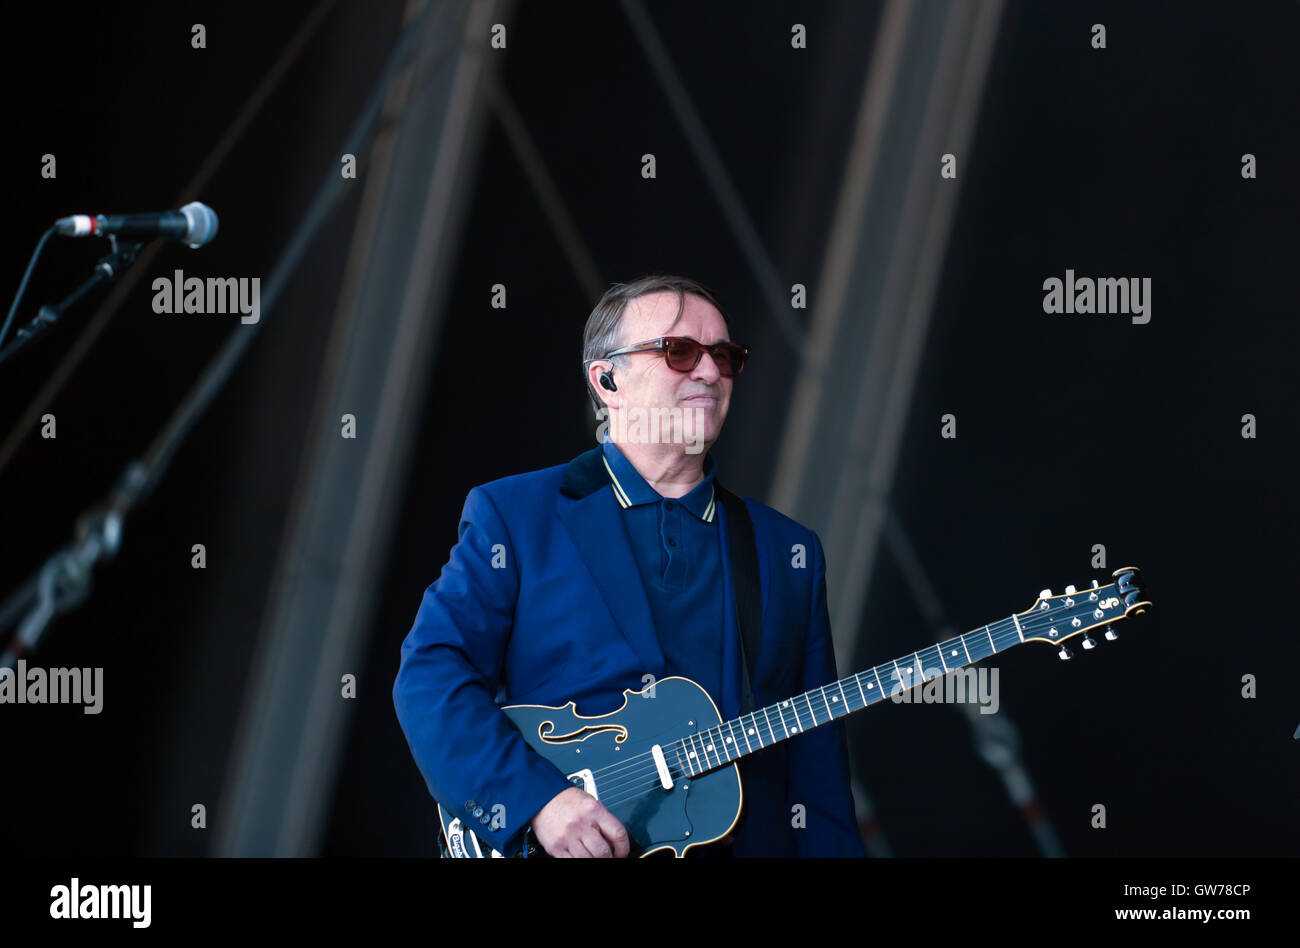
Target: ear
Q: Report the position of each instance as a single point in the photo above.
(594, 369)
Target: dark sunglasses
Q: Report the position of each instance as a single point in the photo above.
(684, 354)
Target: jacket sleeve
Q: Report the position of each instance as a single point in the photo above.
(472, 757)
(819, 759)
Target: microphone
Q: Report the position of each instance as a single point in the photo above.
(194, 224)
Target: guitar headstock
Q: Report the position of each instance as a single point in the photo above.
(1074, 612)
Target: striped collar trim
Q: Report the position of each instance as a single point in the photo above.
(620, 494)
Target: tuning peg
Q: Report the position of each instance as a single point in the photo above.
(1065, 654)
(1070, 590)
(1095, 584)
(1089, 642)
(1111, 634)
(1045, 594)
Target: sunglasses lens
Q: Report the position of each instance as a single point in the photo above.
(732, 359)
(682, 354)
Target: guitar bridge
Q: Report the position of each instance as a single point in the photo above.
(583, 780)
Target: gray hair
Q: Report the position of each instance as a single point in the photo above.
(601, 334)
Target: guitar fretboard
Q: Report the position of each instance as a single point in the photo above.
(727, 742)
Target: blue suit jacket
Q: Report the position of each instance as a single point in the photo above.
(563, 615)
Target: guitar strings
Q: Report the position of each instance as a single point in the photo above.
(1005, 634)
(616, 777)
(639, 775)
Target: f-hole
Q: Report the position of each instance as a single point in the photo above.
(544, 731)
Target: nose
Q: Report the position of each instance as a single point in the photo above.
(706, 370)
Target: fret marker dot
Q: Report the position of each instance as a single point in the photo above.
(709, 748)
(833, 698)
(870, 687)
(751, 730)
(728, 740)
(691, 754)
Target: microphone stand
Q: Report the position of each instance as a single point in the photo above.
(108, 269)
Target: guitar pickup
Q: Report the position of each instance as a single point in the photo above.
(661, 765)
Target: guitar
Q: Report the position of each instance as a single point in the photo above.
(664, 763)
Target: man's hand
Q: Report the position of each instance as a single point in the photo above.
(574, 823)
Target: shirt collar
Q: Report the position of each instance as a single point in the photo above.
(631, 489)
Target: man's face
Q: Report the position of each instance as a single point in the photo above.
(699, 397)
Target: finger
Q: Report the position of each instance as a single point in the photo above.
(596, 844)
(576, 850)
(615, 832)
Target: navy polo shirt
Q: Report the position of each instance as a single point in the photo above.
(678, 552)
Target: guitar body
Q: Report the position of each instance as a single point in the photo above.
(609, 757)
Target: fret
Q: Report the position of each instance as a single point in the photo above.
(920, 667)
(878, 684)
(798, 721)
(714, 735)
(732, 743)
(939, 650)
(980, 646)
(898, 676)
(830, 715)
(930, 662)
(857, 680)
(681, 761)
(701, 758)
(751, 728)
(703, 752)
(781, 714)
(690, 754)
(1019, 631)
(793, 705)
(767, 717)
(969, 660)
(994, 647)
(951, 650)
(710, 747)
(807, 699)
(705, 744)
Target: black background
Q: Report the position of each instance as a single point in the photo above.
(1072, 430)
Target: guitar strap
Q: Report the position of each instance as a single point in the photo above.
(747, 588)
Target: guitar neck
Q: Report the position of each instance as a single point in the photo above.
(728, 742)
(1052, 619)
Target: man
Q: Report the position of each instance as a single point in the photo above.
(582, 580)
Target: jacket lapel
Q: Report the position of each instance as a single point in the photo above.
(591, 515)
